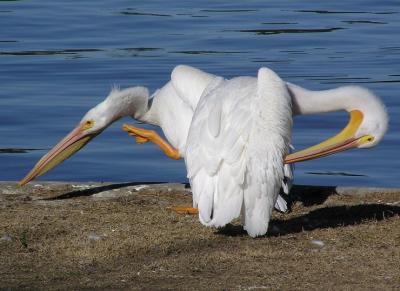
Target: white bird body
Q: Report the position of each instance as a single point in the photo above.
(174, 105)
(238, 139)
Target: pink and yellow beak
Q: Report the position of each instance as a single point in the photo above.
(343, 141)
(69, 145)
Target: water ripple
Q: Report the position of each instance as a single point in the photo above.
(355, 79)
(140, 49)
(205, 52)
(279, 23)
(362, 82)
(17, 150)
(329, 173)
(131, 12)
(261, 60)
(134, 50)
(49, 52)
(289, 30)
(344, 12)
(363, 22)
(228, 10)
(391, 48)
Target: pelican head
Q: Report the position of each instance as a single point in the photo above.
(119, 103)
(366, 127)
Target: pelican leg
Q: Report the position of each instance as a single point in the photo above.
(144, 135)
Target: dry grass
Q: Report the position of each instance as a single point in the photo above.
(131, 241)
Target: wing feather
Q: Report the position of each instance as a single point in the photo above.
(235, 150)
(268, 145)
(214, 118)
(207, 191)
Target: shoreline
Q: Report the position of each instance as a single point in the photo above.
(103, 189)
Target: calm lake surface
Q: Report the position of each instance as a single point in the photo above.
(60, 58)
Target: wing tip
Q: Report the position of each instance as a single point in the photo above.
(265, 73)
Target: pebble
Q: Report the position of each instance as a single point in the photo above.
(317, 243)
(80, 186)
(140, 187)
(94, 237)
(106, 194)
(6, 237)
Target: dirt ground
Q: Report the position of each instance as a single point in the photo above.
(123, 236)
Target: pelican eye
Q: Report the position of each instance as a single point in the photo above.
(365, 139)
(88, 124)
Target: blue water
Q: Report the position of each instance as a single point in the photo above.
(59, 58)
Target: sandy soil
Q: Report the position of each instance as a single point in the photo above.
(122, 236)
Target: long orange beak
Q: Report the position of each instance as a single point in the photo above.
(69, 145)
(342, 141)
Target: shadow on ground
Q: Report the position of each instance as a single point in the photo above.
(99, 189)
(327, 217)
(312, 195)
(309, 196)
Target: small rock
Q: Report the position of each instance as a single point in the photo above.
(317, 243)
(94, 237)
(79, 186)
(140, 187)
(105, 195)
(6, 237)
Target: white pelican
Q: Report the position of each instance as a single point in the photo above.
(172, 108)
(220, 130)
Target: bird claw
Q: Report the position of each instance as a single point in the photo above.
(184, 210)
(145, 135)
(141, 135)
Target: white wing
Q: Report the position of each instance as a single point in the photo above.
(173, 105)
(238, 138)
(190, 83)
